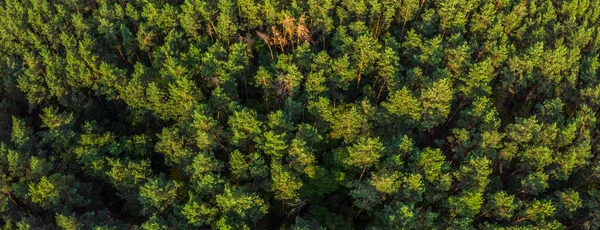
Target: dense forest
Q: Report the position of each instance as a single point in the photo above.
(299, 114)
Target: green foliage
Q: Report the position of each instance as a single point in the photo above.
(501, 205)
(317, 114)
(67, 222)
(240, 206)
(154, 223)
(430, 162)
(364, 153)
(285, 183)
(244, 126)
(158, 194)
(56, 192)
(44, 193)
(403, 103)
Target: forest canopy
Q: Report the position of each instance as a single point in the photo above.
(299, 114)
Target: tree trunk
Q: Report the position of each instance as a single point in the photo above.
(363, 172)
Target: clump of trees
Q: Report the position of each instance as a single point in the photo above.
(316, 114)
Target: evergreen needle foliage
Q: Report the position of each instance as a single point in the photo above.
(299, 114)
